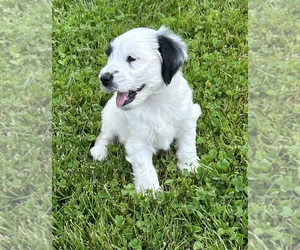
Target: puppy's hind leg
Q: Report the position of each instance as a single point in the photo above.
(186, 143)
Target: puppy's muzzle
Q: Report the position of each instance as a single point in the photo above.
(107, 79)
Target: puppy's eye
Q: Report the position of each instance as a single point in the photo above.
(130, 59)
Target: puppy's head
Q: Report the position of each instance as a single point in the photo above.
(140, 62)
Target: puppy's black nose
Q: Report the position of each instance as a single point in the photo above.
(107, 79)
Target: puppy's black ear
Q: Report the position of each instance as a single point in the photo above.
(173, 52)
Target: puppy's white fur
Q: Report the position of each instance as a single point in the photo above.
(146, 63)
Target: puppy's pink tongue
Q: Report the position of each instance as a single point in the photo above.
(121, 98)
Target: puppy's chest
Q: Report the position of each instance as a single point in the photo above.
(154, 129)
(162, 135)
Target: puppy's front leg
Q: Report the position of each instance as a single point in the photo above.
(106, 136)
(144, 173)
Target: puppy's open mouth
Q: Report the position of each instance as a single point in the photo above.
(123, 98)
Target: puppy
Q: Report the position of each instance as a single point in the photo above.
(152, 103)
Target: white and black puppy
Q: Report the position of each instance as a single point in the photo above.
(152, 103)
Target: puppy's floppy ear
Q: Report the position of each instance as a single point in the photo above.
(173, 52)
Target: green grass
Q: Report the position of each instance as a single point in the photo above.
(25, 124)
(94, 204)
(274, 125)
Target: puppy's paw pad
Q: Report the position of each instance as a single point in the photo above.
(98, 153)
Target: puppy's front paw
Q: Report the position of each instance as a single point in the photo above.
(99, 153)
(150, 185)
(146, 190)
(190, 167)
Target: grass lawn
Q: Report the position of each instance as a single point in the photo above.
(94, 204)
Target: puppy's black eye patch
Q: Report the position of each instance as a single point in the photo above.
(130, 59)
